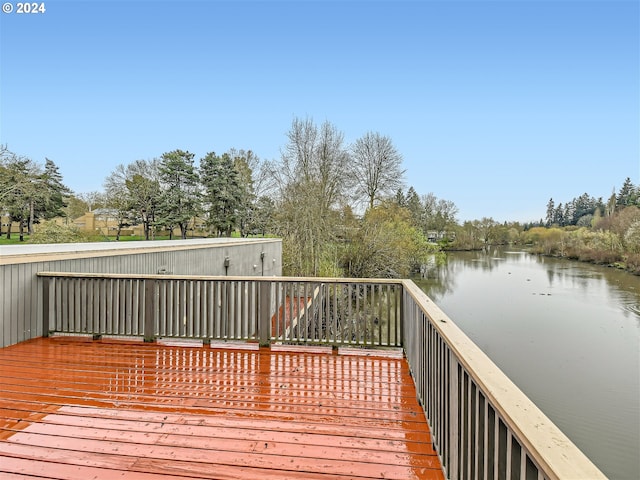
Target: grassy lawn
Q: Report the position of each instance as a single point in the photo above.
(14, 240)
(136, 238)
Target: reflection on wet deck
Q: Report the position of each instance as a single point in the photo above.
(73, 409)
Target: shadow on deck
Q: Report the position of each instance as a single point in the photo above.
(72, 409)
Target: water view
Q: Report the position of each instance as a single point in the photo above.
(567, 333)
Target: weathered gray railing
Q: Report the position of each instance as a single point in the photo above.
(292, 310)
(483, 426)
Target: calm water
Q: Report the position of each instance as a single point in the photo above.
(567, 333)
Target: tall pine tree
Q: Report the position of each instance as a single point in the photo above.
(179, 182)
(57, 193)
(222, 197)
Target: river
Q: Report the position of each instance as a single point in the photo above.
(567, 333)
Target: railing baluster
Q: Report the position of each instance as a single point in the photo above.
(485, 442)
(58, 324)
(166, 307)
(250, 310)
(215, 311)
(130, 329)
(264, 320)
(71, 305)
(115, 304)
(207, 310)
(279, 316)
(227, 303)
(335, 324)
(454, 436)
(172, 322)
(294, 310)
(121, 285)
(196, 305)
(241, 309)
(234, 311)
(47, 302)
(100, 294)
(184, 307)
(508, 453)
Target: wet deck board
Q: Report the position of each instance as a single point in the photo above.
(74, 409)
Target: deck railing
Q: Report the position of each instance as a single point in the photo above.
(483, 426)
(265, 310)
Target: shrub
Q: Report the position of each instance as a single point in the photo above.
(632, 237)
(633, 263)
(603, 257)
(51, 232)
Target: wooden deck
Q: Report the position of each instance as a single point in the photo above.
(73, 409)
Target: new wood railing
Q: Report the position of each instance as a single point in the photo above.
(483, 426)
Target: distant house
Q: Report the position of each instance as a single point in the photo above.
(104, 221)
(434, 236)
(6, 224)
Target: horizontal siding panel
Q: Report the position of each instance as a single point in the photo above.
(21, 310)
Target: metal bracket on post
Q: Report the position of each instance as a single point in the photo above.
(264, 314)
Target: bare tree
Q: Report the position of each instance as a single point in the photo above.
(377, 167)
(133, 191)
(311, 183)
(93, 198)
(438, 215)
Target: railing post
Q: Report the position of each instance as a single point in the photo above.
(454, 418)
(264, 314)
(401, 325)
(46, 283)
(149, 309)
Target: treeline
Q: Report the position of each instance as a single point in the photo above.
(585, 229)
(586, 211)
(591, 230)
(340, 209)
(29, 191)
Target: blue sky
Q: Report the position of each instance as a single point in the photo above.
(494, 105)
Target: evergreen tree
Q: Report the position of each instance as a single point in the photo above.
(222, 196)
(414, 205)
(569, 213)
(551, 211)
(179, 183)
(245, 211)
(57, 193)
(626, 196)
(558, 215)
(400, 198)
(583, 205)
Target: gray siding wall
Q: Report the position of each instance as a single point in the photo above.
(21, 292)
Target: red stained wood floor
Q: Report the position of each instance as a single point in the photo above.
(72, 409)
